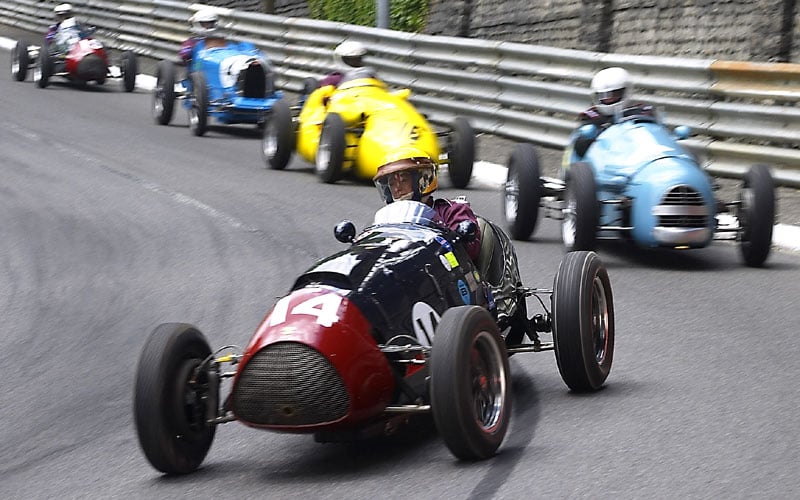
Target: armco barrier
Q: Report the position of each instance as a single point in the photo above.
(740, 113)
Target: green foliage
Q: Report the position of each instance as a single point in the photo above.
(404, 15)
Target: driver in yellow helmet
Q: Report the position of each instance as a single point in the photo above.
(413, 176)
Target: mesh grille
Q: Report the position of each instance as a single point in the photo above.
(252, 81)
(288, 383)
(682, 196)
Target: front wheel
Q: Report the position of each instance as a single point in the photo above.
(461, 153)
(19, 61)
(129, 69)
(470, 383)
(757, 215)
(522, 192)
(164, 93)
(170, 399)
(581, 210)
(583, 321)
(198, 113)
(277, 140)
(330, 152)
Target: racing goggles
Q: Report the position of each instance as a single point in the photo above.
(610, 96)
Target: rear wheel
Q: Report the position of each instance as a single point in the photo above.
(170, 398)
(164, 93)
(330, 152)
(583, 321)
(581, 211)
(470, 383)
(757, 215)
(19, 61)
(277, 140)
(198, 113)
(129, 69)
(44, 67)
(523, 191)
(461, 153)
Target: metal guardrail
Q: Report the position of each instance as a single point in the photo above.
(741, 113)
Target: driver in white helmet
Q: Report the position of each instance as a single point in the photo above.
(65, 20)
(611, 89)
(349, 64)
(204, 26)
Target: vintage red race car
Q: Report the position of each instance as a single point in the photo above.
(74, 55)
(400, 323)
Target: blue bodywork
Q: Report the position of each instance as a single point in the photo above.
(650, 188)
(229, 100)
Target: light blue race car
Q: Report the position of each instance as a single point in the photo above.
(635, 181)
(231, 82)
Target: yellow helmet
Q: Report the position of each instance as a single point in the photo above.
(406, 174)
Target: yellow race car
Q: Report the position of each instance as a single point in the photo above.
(352, 129)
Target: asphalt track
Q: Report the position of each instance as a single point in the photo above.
(113, 224)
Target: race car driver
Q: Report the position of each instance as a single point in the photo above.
(611, 89)
(412, 175)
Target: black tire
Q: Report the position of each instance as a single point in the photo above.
(44, 68)
(198, 113)
(581, 210)
(757, 215)
(169, 408)
(164, 93)
(330, 151)
(277, 140)
(19, 61)
(583, 321)
(461, 153)
(470, 383)
(523, 192)
(130, 68)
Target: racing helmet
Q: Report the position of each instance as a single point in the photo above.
(350, 54)
(204, 22)
(63, 11)
(610, 90)
(406, 174)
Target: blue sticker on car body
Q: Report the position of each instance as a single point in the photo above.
(464, 291)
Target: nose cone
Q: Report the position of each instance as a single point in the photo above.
(673, 204)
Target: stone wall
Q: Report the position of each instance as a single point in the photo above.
(751, 30)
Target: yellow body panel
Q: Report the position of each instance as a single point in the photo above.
(389, 123)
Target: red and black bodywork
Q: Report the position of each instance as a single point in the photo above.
(315, 362)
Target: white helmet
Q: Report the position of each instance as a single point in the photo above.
(63, 11)
(204, 22)
(350, 54)
(610, 90)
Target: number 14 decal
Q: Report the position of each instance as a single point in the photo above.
(323, 307)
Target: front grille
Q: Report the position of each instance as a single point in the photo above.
(682, 207)
(92, 67)
(252, 81)
(685, 221)
(682, 195)
(288, 383)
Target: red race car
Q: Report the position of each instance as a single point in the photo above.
(400, 323)
(75, 55)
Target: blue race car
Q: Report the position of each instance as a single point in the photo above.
(231, 82)
(635, 181)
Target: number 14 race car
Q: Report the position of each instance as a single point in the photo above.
(400, 323)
